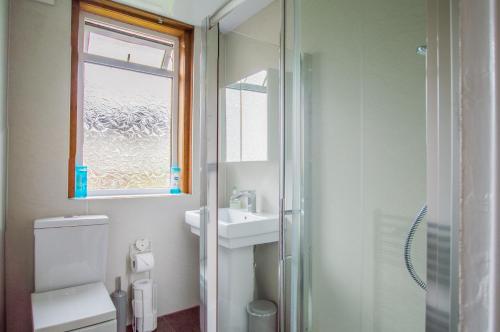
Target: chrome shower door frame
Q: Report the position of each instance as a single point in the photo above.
(443, 165)
(209, 177)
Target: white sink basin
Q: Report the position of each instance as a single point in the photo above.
(239, 228)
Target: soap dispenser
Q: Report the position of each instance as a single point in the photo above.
(234, 203)
(175, 178)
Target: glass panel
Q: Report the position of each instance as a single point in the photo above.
(358, 111)
(248, 182)
(128, 51)
(169, 56)
(126, 129)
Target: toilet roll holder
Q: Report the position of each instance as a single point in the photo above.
(140, 317)
(140, 246)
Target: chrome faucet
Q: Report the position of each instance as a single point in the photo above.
(251, 199)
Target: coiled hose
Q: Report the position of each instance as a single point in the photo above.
(407, 248)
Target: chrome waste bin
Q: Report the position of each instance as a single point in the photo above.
(261, 316)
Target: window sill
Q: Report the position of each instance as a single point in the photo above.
(104, 197)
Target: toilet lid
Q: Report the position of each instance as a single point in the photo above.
(71, 308)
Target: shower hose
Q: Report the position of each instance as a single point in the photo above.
(407, 249)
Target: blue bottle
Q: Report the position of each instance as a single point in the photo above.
(80, 181)
(175, 178)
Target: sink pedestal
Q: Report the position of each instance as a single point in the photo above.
(238, 232)
(236, 287)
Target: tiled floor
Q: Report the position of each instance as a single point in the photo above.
(183, 321)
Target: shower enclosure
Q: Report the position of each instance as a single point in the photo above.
(332, 122)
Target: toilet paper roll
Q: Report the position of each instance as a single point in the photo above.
(143, 297)
(143, 262)
(144, 305)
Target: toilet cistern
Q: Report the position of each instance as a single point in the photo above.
(251, 199)
(69, 277)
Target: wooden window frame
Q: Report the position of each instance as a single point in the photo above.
(133, 16)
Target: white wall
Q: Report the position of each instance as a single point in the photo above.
(367, 161)
(3, 111)
(39, 95)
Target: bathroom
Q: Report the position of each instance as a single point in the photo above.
(260, 165)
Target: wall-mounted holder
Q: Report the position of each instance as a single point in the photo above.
(141, 256)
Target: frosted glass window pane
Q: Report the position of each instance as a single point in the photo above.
(126, 128)
(233, 127)
(126, 51)
(254, 125)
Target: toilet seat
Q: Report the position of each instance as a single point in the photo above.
(86, 307)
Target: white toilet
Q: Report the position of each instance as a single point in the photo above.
(70, 267)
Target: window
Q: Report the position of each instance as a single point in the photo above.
(246, 119)
(131, 99)
(128, 109)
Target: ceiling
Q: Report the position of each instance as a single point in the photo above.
(189, 11)
(242, 13)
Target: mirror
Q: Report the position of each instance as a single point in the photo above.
(249, 91)
(249, 109)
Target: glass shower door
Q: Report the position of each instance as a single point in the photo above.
(242, 164)
(354, 164)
